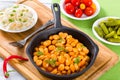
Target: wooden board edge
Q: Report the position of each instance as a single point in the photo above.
(108, 66)
(103, 69)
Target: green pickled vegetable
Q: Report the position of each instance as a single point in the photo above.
(112, 22)
(110, 34)
(99, 31)
(104, 28)
(116, 28)
(118, 31)
(116, 36)
(116, 40)
(110, 19)
(110, 29)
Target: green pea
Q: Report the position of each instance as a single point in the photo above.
(114, 40)
(110, 34)
(104, 28)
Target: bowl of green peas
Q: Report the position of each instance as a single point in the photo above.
(107, 30)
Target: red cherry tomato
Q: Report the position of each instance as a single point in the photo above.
(69, 8)
(75, 2)
(78, 13)
(89, 11)
(67, 1)
(87, 2)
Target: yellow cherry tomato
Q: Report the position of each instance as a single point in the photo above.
(82, 6)
(93, 6)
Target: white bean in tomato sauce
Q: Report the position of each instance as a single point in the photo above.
(61, 54)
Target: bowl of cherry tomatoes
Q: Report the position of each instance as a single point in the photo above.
(80, 9)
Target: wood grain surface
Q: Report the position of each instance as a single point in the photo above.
(104, 61)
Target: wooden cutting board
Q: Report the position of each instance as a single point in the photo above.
(105, 59)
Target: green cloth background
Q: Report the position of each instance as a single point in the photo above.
(108, 8)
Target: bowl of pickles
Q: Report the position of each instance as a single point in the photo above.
(107, 30)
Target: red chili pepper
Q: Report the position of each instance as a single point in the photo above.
(6, 74)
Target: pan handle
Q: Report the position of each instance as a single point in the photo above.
(56, 13)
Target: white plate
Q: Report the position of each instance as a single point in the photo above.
(95, 33)
(83, 17)
(35, 17)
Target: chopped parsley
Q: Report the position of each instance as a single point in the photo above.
(60, 48)
(39, 53)
(20, 19)
(16, 7)
(25, 21)
(60, 40)
(14, 10)
(3, 22)
(52, 62)
(77, 60)
(11, 14)
(1, 13)
(11, 20)
(21, 14)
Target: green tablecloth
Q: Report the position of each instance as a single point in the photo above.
(108, 8)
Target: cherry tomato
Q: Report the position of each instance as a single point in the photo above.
(82, 6)
(75, 2)
(87, 2)
(89, 11)
(93, 6)
(78, 13)
(69, 8)
(67, 1)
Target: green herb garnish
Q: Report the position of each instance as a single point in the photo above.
(21, 14)
(1, 13)
(11, 20)
(11, 14)
(39, 53)
(52, 62)
(77, 60)
(25, 21)
(60, 48)
(27, 10)
(20, 19)
(3, 22)
(15, 6)
(14, 10)
(60, 40)
(66, 50)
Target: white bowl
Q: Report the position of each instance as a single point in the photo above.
(83, 17)
(95, 33)
(34, 17)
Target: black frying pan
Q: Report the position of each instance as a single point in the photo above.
(58, 27)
